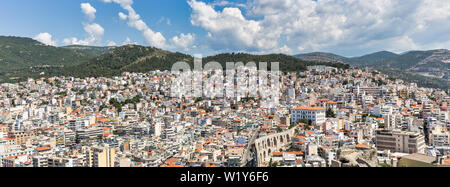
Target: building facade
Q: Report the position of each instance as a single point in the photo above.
(400, 141)
(315, 114)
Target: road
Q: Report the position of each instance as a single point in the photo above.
(247, 156)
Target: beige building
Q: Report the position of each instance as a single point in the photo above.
(101, 157)
(4, 128)
(400, 141)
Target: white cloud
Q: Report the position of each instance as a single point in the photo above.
(229, 27)
(122, 16)
(94, 31)
(347, 26)
(45, 38)
(222, 3)
(134, 20)
(184, 41)
(285, 49)
(88, 10)
(111, 43)
(127, 41)
(153, 38)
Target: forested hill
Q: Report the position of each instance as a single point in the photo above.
(22, 58)
(20, 55)
(129, 58)
(287, 63)
(17, 52)
(135, 58)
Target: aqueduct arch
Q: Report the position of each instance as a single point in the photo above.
(266, 145)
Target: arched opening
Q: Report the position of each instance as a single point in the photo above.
(275, 142)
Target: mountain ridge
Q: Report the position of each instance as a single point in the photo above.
(23, 57)
(430, 66)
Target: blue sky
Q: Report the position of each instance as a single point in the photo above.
(346, 27)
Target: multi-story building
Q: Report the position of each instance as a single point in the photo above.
(40, 161)
(87, 134)
(400, 141)
(4, 128)
(441, 139)
(315, 114)
(373, 91)
(57, 162)
(101, 157)
(21, 137)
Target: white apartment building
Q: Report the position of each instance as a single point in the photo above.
(315, 114)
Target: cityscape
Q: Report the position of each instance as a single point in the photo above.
(327, 117)
(152, 102)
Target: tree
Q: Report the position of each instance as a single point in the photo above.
(425, 131)
(330, 113)
(116, 104)
(345, 82)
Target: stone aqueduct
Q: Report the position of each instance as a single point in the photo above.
(266, 145)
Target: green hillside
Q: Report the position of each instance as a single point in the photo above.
(374, 57)
(129, 58)
(23, 58)
(321, 57)
(135, 58)
(91, 50)
(19, 56)
(287, 63)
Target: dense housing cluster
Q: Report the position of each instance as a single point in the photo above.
(327, 117)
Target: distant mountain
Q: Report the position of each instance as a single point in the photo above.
(321, 57)
(287, 63)
(24, 57)
(432, 68)
(135, 58)
(17, 52)
(330, 57)
(18, 55)
(129, 58)
(434, 63)
(92, 50)
(373, 57)
(21, 58)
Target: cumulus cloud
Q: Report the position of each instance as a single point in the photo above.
(229, 28)
(127, 41)
(134, 20)
(122, 16)
(45, 38)
(94, 31)
(153, 38)
(88, 10)
(222, 3)
(346, 26)
(184, 41)
(111, 43)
